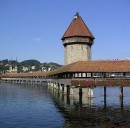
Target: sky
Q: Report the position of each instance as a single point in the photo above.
(32, 29)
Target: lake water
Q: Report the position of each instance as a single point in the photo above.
(26, 106)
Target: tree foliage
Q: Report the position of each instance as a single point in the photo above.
(30, 62)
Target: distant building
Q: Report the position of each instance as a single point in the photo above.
(25, 69)
(12, 66)
(49, 69)
(13, 69)
(33, 67)
(77, 41)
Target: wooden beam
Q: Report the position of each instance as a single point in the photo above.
(105, 102)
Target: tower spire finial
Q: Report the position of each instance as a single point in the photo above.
(76, 15)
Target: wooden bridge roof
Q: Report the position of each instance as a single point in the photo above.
(39, 73)
(82, 66)
(95, 66)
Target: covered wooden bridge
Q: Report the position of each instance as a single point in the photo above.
(81, 75)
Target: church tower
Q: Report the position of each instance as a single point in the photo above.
(77, 41)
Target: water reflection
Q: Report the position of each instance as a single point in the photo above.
(26, 106)
(100, 112)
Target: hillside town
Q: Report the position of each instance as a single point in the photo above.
(13, 66)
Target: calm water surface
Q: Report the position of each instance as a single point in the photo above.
(23, 106)
(26, 106)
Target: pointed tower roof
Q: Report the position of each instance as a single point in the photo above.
(77, 28)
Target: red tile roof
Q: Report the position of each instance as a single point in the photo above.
(95, 66)
(77, 28)
(83, 66)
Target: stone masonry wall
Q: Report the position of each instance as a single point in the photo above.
(77, 52)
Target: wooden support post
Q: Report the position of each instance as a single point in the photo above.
(121, 97)
(121, 91)
(105, 91)
(80, 96)
(121, 103)
(104, 96)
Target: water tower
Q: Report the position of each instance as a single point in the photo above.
(77, 41)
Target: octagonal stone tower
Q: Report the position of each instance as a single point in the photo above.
(77, 41)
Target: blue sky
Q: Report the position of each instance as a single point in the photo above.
(32, 29)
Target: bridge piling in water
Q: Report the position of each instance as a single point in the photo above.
(121, 91)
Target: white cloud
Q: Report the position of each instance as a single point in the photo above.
(37, 39)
